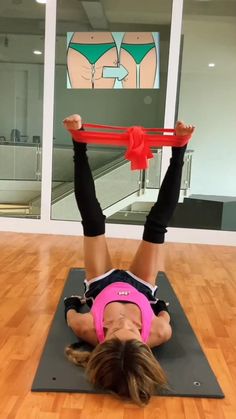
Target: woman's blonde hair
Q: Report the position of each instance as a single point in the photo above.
(126, 368)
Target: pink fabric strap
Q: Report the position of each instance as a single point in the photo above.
(138, 140)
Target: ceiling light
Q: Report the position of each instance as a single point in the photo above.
(41, 1)
(37, 52)
(211, 65)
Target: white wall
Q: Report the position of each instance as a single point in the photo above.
(21, 87)
(208, 100)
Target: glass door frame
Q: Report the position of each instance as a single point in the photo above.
(48, 226)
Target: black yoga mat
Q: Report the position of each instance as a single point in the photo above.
(182, 358)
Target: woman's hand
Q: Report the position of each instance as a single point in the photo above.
(73, 122)
(75, 302)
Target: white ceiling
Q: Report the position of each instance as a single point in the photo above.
(137, 11)
(22, 21)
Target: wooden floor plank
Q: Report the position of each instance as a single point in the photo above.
(33, 272)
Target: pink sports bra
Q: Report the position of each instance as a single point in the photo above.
(120, 291)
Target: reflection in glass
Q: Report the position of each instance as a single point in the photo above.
(21, 86)
(208, 100)
(117, 187)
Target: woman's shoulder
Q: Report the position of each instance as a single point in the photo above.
(160, 332)
(88, 332)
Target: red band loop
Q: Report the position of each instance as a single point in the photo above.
(138, 151)
(137, 139)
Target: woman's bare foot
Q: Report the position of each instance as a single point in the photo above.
(182, 129)
(73, 122)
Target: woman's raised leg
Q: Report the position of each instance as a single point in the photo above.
(146, 261)
(96, 255)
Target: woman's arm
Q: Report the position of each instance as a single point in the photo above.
(161, 330)
(82, 326)
(165, 315)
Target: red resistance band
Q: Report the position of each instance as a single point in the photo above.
(138, 140)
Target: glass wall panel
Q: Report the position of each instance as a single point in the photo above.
(123, 102)
(208, 100)
(21, 85)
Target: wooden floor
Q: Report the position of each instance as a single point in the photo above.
(33, 272)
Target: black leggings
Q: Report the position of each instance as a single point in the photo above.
(93, 220)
